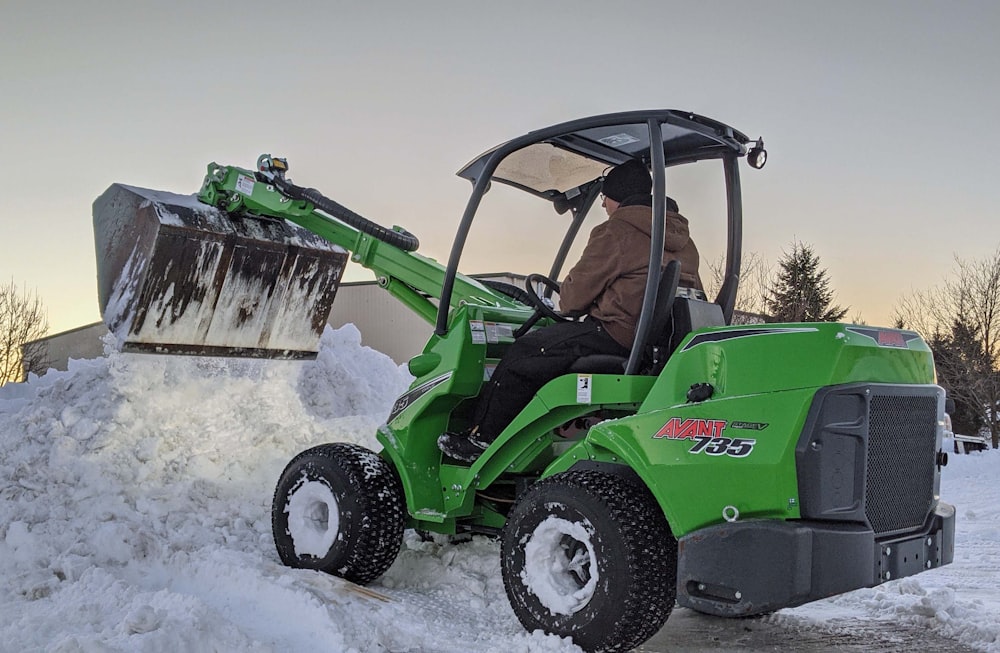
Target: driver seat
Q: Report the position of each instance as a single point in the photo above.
(658, 346)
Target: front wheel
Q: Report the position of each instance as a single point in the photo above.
(339, 508)
(589, 555)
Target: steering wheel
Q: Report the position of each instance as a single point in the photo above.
(542, 307)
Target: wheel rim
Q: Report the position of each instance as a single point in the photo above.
(560, 566)
(313, 519)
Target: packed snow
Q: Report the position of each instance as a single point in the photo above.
(135, 496)
(548, 574)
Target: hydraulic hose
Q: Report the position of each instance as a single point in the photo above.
(402, 239)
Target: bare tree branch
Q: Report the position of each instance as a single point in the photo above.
(23, 321)
(751, 299)
(966, 306)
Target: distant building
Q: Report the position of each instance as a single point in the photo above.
(385, 324)
(79, 343)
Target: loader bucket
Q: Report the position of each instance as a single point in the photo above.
(180, 277)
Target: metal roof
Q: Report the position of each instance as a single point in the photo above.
(564, 158)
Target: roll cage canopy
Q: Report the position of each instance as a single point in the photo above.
(560, 162)
(566, 163)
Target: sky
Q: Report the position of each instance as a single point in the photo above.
(870, 111)
(135, 516)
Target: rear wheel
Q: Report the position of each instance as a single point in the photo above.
(339, 508)
(589, 555)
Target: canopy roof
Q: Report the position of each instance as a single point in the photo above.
(561, 160)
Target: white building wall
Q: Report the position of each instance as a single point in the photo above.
(385, 325)
(80, 344)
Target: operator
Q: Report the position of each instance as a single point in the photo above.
(606, 286)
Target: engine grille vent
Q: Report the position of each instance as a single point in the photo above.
(900, 476)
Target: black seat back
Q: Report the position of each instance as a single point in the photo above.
(666, 294)
(693, 314)
(658, 348)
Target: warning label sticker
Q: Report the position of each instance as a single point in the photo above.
(618, 140)
(478, 330)
(244, 184)
(491, 333)
(584, 388)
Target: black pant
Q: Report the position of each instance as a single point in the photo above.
(532, 361)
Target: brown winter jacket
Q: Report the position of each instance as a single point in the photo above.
(609, 280)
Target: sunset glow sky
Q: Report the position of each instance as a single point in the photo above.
(874, 114)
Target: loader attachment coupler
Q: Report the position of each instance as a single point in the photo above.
(178, 276)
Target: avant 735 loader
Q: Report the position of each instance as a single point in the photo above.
(733, 469)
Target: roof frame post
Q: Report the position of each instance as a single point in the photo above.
(656, 238)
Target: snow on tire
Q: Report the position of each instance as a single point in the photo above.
(339, 508)
(589, 555)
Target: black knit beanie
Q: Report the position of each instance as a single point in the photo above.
(628, 179)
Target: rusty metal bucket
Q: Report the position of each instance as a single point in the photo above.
(178, 276)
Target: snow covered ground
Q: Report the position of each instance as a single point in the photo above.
(135, 500)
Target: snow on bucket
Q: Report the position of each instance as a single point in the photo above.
(181, 277)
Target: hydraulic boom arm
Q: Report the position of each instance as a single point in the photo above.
(410, 277)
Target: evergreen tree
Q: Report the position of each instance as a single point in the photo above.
(801, 291)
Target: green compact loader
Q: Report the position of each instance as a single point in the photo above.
(734, 469)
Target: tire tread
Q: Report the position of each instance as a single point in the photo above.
(650, 553)
(377, 534)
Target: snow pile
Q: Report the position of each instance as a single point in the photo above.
(135, 497)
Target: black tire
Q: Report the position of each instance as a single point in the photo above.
(345, 506)
(600, 519)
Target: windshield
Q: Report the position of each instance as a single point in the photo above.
(542, 167)
(520, 233)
